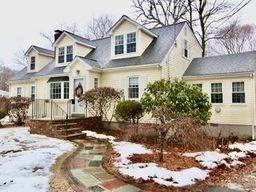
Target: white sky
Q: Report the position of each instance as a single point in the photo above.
(21, 21)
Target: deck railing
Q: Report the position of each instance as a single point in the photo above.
(49, 109)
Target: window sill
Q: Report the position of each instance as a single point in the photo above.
(239, 104)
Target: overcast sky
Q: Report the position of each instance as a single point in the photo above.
(21, 21)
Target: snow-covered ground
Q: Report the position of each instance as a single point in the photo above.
(26, 160)
(148, 171)
(208, 159)
(6, 120)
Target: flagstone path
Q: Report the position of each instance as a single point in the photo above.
(86, 170)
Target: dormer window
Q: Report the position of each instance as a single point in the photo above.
(119, 44)
(185, 52)
(61, 56)
(131, 42)
(32, 63)
(69, 56)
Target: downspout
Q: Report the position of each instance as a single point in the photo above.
(253, 106)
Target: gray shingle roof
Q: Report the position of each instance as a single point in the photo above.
(48, 70)
(79, 38)
(43, 50)
(100, 57)
(155, 53)
(234, 63)
(93, 63)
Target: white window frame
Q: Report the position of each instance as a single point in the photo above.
(128, 91)
(96, 83)
(236, 91)
(186, 48)
(19, 88)
(63, 89)
(66, 55)
(33, 63)
(132, 42)
(61, 55)
(217, 92)
(117, 43)
(31, 91)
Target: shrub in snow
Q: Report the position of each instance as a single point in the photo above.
(169, 102)
(18, 109)
(102, 101)
(4, 108)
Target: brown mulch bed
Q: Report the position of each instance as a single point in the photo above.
(172, 161)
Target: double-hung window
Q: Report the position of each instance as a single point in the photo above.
(185, 51)
(216, 93)
(66, 90)
(119, 44)
(33, 93)
(131, 42)
(238, 94)
(61, 57)
(55, 90)
(199, 85)
(133, 88)
(69, 55)
(19, 90)
(96, 83)
(32, 63)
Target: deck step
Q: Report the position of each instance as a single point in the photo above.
(71, 129)
(72, 136)
(64, 124)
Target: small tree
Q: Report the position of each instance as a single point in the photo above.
(168, 102)
(19, 109)
(129, 110)
(102, 102)
(4, 107)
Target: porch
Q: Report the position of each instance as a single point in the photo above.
(49, 109)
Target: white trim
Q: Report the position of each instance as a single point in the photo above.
(139, 26)
(78, 42)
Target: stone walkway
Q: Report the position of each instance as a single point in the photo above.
(86, 170)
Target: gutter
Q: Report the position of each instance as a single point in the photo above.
(253, 106)
(216, 76)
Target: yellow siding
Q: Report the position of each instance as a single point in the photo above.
(144, 41)
(177, 63)
(81, 50)
(230, 113)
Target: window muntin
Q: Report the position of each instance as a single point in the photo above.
(32, 63)
(131, 42)
(33, 93)
(19, 90)
(186, 49)
(216, 93)
(238, 94)
(69, 55)
(199, 85)
(119, 44)
(66, 90)
(96, 83)
(133, 88)
(61, 56)
(55, 90)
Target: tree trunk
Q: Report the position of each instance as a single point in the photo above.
(161, 153)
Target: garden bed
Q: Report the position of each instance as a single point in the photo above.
(140, 166)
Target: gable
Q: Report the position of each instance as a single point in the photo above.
(125, 27)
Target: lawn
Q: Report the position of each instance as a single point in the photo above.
(26, 160)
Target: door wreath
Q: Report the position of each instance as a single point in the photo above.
(79, 90)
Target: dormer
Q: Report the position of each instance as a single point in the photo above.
(37, 58)
(68, 45)
(129, 38)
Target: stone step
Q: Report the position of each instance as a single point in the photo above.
(74, 136)
(70, 129)
(64, 124)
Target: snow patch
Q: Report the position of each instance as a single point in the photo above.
(26, 160)
(98, 136)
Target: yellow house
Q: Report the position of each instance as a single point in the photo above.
(128, 59)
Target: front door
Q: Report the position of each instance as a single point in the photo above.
(78, 107)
